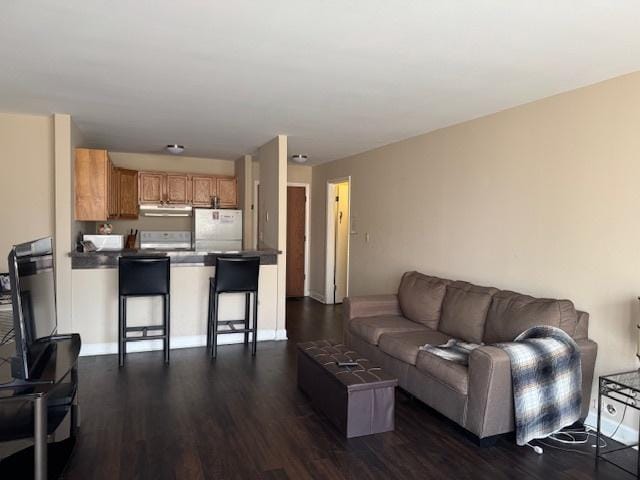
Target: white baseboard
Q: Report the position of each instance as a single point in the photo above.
(317, 296)
(624, 434)
(177, 342)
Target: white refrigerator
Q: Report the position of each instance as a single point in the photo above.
(216, 230)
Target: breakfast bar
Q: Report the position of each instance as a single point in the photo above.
(95, 298)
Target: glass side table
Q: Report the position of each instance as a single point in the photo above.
(623, 388)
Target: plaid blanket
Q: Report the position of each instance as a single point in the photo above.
(546, 374)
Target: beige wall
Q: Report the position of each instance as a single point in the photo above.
(273, 210)
(272, 157)
(172, 163)
(66, 138)
(26, 185)
(244, 175)
(295, 174)
(298, 173)
(542, 199)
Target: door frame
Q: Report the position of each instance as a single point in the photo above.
(330, 237)
(307, 224)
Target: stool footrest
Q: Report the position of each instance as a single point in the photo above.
(235, 330)
(148, 337)
(142, 329)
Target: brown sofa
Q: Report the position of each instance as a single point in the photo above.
(390, 329)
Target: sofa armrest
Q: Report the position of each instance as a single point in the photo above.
(367, 306)
(490, 402)
(588, 351)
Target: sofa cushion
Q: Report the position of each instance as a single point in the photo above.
(420, 297)
(405, 346)
(452, 374)
(512, 313)
(370, 328)
(464, 311)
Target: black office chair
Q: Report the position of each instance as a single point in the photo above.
(233, 275)
(140, 276)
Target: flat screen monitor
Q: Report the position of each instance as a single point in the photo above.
(33, 295)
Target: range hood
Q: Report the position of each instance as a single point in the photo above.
(166, 210)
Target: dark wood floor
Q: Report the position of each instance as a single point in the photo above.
(244, 418)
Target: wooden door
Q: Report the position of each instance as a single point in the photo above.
(227, 191)
(202, 188)
(151, 187)
(177, 189)
(91, 185)
(296, 217)
(127, 193)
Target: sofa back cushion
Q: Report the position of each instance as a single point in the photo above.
(420, 297)
(512, 313)
(464, 310)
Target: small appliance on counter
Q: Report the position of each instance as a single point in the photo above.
(158, 240)
(105, 242)
(217, 229)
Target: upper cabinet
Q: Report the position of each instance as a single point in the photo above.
(177, 189)
(151, 187)
(203, 188)
(187, 189)
(127, 193)
(94, 195)
(227, 191)
(103, 192)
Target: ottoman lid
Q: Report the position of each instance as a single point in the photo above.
(363, 377)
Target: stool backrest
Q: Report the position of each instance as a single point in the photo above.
(139, 275)
(237, 274)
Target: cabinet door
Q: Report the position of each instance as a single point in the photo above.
(113, 191)
(177, 189)
(151, 187)
(127, 193)
(202, 189)
(227, 192)
(91, 185)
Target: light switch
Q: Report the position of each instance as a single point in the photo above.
(366, 237)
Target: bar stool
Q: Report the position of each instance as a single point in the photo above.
(140, 276)
(233, 275)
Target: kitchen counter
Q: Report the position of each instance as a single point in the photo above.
(182, 258)
(94, 298)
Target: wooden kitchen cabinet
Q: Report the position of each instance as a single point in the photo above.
(203, 187)
(151, 187)
(227, 191)
(177, 189)
(94, 190)
(127, 193)
(113, 184)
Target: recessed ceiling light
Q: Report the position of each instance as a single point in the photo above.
(299, 158)
(175, 149)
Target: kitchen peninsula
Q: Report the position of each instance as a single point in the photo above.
(95, 299)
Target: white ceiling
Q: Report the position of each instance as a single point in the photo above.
(339, 77)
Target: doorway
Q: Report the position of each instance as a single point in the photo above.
(296, 239)
(298, 198)
(338, 230)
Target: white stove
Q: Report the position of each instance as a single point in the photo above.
(176, 240)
